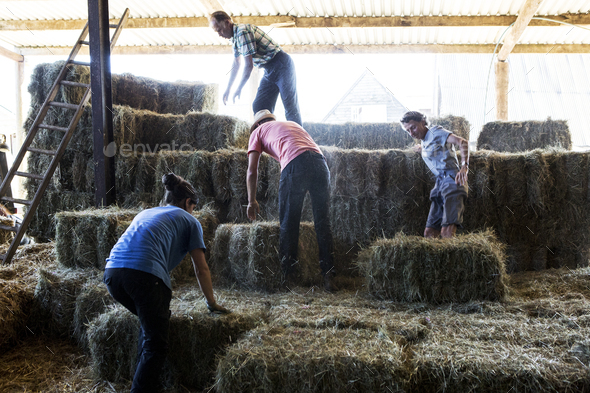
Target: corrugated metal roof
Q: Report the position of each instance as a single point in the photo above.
(541, 86)
(76, 9)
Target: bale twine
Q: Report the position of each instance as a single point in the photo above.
(519, 136)
(412, 268)
(247, 255)
(300, 359)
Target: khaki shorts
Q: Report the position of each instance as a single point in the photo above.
(448, 202)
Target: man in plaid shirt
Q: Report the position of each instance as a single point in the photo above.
(259, 50)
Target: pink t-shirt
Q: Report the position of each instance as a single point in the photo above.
(282, 140)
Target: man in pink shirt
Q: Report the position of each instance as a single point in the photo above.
(303, 168)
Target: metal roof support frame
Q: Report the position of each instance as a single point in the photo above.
(102, 101)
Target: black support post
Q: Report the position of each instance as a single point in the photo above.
(102, 102)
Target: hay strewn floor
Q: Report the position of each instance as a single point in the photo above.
(535, 341)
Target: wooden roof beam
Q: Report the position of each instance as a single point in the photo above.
(291, 21)
(322, 49)
(525, 15)
(11, 55)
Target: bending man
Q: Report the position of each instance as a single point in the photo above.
(450, 191)
(258, 49)
(303, 168)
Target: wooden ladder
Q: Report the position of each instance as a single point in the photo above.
(67, 132)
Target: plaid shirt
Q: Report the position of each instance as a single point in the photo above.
(250, 40)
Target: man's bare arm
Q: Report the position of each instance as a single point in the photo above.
(248, 67)
(232, 77)
(463, 145)
(252, 183)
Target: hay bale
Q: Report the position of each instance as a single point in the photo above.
(297, 360)
(92, 301)
(519, 136)
(85, 238)
(15, 305)
(42, 227)
(137, 92)
(475, 353)
(6, 236)
(196, 337)
(412, 268)
(55, 299)
(374, 136)
(248, 255)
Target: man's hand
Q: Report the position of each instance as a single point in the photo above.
(461, 178)
(225, 97)
(253, 210)
(217, 309)
(237, 94)
(417, 149)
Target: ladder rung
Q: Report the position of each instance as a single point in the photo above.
(84, 42)
(74, 84)
(14, 200)
(63, 105)
(29, 175)
(55, 128)
(113, 26)
(82, 63)
(41, 151)
(7, 228)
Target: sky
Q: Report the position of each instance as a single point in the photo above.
(321, 79)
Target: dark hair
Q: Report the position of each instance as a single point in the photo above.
(177, 190)
(220, 16)
(413, 115)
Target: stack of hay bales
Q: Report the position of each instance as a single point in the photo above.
(148, 116)
(413, 268)
(377, 135)
(520, 136)
(247, 255)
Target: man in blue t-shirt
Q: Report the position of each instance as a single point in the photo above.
(450, 191)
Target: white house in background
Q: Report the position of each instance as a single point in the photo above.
(367, 101)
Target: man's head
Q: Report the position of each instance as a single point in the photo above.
(261, 117)
(222, 24)
(415, 124)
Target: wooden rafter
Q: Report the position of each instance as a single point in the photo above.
(525, 15)
(11, 55)
(290, 21)
(325, 49)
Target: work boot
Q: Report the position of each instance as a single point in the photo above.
(329, 284)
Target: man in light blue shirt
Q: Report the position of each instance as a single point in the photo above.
(450, 191)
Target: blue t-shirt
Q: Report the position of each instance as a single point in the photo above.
(156, 241)
(437, 154)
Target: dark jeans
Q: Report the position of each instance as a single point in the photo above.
(279, 77)
(306, 172)
(146, 296)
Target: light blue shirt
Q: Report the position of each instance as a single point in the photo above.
(156, 241)
(437, 154)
